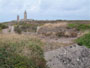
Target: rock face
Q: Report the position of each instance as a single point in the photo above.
(69, 57)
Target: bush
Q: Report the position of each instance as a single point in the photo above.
(27, 27)
(60, 34)
(84, 40)
(72, 25)
(18, 29)
(21, 52)
(2, 26)
(79, 26)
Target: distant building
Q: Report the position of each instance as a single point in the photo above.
(25, 16)
(24, 19)
(17, 18)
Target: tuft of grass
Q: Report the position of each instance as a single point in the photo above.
(84, 40)
(20, 51)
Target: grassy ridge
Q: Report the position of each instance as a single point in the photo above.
(20, 51)
(79, 26)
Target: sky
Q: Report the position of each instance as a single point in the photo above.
(45, 9)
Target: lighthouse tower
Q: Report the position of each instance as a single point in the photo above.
(25, 16)
(17, 18)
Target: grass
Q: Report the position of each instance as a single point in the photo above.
(20, 51)
(2, 26)
(84, 40)
(79, 26)
(26, 27)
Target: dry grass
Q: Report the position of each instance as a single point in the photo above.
(50, 25)
(21, 41)
(24, 46)
(17, 37)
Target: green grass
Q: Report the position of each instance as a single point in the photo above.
(84, 40)
(79, 26)
(20, 51)
(2, 26)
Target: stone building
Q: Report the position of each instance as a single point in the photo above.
(17, 18)
(25, 16)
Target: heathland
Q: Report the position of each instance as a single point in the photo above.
(45, 44)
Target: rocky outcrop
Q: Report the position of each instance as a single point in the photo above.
(57, 30)
(69, 57)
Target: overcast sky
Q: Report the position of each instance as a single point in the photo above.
(45, 9)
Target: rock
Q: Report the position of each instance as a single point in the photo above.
(74, 56)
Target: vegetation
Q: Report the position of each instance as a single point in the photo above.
(28, 27)
(79, 26)
(25, 27)
(2, 26)
(60, 34)
(18, 29)
(20, 51)
(84, 40)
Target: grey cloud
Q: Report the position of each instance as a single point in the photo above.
(46, 9)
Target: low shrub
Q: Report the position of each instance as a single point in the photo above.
(2, 26)
(60, 34)
(84, 40)
(79, 26)
(18, 29)
(27, 27)
(21, 52)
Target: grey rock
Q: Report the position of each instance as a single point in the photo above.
(74, 56)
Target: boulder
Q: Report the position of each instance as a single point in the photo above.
(73, 56)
